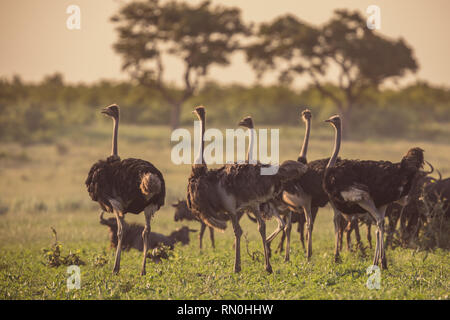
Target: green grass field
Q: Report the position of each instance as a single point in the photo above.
(42, 186)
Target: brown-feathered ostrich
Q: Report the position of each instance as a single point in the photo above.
(218, 195)
(126, 186)
(275, 207)
(359, 186)
(306, 193)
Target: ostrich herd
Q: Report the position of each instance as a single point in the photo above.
(353, 188)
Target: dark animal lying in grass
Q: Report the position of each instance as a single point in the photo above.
(182, 212)
(132, 237)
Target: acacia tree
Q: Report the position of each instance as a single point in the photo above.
(362, 58)
(200, 36)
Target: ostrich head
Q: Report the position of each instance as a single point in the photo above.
(247, 122)
(200, 112)
(112, 111)
(335, 121)
(306, 115)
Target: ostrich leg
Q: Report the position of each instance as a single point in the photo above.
(378, 215)
(200, 235)
(337, 232)
(280, 227)
(309, 226)
(237, 242)
(118, 211)
(148, 211)
(280, 247)
(301, 231)
(287, 230)
(211, 236)
(357, 235)
(369, 235)
(262, 231)
(349, 230)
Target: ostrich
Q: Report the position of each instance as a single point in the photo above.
(215, 196)
(126, 186)
(275, 207)
(359, 186)
(306, 193)
(393, 212)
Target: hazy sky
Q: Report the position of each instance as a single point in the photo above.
(34, 40)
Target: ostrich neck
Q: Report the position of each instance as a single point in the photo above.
(114, 151)
(305, 140)
(199, 159)
(251, 146)
(337, 146)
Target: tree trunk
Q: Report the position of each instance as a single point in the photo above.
(175, 115)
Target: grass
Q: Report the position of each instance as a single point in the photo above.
(42, 186)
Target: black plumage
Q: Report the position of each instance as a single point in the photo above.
(126, 186)
(130, 180)
(202, 197)
(215, 196)
(311, 183)
(385, 181)
(359, 186)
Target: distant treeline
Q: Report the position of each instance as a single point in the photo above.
(38, 112)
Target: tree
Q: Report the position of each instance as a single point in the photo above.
(362, 58)
(200, 36)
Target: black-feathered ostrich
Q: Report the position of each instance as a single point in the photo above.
(126, 186)
(359, 186)
(218, 195)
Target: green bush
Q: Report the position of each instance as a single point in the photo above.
(31, 112)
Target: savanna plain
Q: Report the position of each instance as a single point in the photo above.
(42, 186)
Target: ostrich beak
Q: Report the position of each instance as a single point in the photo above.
(104, 111)
(328, 120)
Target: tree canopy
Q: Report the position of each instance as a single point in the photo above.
(198, 35)
(363, 58)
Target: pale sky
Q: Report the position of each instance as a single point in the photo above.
(34, 40)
